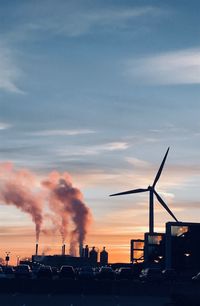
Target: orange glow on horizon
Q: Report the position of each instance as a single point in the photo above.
(20, 242)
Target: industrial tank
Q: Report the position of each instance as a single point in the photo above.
(93, 256)
(103, 257)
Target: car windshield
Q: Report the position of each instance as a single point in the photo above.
(106, 269)
(47, 268)
(86, 269)
(154, 271)
(23, 268)
(66, 269)
(124, 269)
(8, 270)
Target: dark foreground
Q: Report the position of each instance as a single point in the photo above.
(32, 292)
(80, 300)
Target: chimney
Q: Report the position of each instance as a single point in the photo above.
(63, 249)
(86, 255)
(81, 250)
(36, 249)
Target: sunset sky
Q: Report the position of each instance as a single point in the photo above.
(100, 89)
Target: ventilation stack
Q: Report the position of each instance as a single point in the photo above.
(63, 250)
(81, 250)
(36, 249)
(86, 253)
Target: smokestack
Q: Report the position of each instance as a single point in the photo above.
(86, 255)
(36, 249)
(81, 250)
(63, 249)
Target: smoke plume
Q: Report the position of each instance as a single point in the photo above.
(67, 203)
(17, 188)
(66, 209)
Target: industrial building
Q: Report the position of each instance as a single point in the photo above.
(178, 248)
(88, 256)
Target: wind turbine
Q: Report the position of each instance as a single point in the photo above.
(152, 192)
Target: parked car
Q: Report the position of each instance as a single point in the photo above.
(35, 269)
(151, 274)
(23, 271)
(2, 274)
(86, 273)
(196, 278)
(169, 274)
(105, 273)
(124, 273)
(9, 272)
(54, 272)
(67, 272)
(44, 272)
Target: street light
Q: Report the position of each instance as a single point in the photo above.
(18, 260)
(7, 258)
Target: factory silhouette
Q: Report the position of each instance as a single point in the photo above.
(88, 256)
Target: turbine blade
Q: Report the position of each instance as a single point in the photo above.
(129, 192)
(165, 205)
(160, 169)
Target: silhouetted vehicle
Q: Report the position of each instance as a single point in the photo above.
(124, 273)
(23, 271)
(67, 272)
(44, 272)
(86, 273)
(54, 272)
(169, 274)
(196, 278)
(151, 274)
(9, 272)
(2, 274)
(105, 273)
(96, 270)
(35, 269)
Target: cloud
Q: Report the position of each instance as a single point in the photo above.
(177, 67)
(92, 150)
(111, 18)
(63, 132)
(4, 126)
(138, 163)
(113, 146)
(188, 205)
(114, 179)
(9, 72)
(73, 18)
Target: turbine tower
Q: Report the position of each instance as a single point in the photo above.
(152, 192)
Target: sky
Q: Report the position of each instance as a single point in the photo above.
(100, 89)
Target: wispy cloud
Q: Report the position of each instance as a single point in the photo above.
(74, 19)
(173, 179)
(92, 150)
(177, 67)
(63, 132)
(110, 18)
(4, 126)
(138, 163)
(114, 146)
(9, 72)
